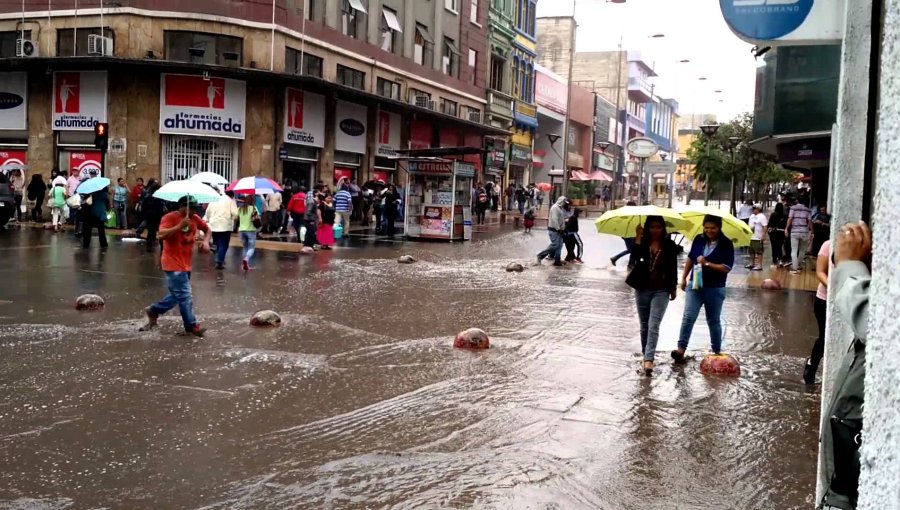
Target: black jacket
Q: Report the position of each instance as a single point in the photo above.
(640, 259)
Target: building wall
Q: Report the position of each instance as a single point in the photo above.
(555, 43)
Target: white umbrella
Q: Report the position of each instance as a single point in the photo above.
(211, 178)
(175, 190)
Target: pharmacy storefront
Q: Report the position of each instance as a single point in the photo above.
(304, 136)
(79, 103)
(201, 123)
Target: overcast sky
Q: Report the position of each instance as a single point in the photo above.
(693, 29)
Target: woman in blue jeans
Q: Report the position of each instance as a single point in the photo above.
(712, 254)
(248, 225)
(654, 279)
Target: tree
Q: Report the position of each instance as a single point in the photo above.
(709, 165)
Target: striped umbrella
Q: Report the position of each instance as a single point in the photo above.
(254, 185)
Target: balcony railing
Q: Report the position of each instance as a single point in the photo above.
(498, 102)
(639, 89)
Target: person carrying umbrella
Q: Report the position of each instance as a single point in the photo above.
(178, 232)
(94, 209)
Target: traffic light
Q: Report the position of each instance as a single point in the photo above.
(101, 135)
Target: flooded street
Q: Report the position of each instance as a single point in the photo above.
(360, 401)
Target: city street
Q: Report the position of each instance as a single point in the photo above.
(360, 401)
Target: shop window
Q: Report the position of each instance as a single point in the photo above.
(450, 58)
(473, 12)
(473, 65)
(8, 42)
(72, 42)
(390, 30)
(309, 65)
(353, 18)
(351, 77)
(185, 156)
(424, 46)
(449, 107)
(473, 114)
(388, 88)
(203, 48)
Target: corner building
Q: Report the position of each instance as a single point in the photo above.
(332, 88)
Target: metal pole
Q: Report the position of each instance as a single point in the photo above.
(565, 182)
(617, 157)
(706, 180)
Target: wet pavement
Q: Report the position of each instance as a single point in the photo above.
(359, 400)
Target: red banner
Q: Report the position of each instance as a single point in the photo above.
(13, 160)
(343, 173)
(420, 135)
(85, 162)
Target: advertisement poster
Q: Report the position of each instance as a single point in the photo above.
(79, 100)
(350, 127)
(194, 105)
(84, 162)
(14, 101)
(304, 118)
(437, 221)
(12, 160)
(342, 173)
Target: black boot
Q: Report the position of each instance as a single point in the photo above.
(809, 371)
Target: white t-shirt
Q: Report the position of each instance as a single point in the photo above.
(758, 224)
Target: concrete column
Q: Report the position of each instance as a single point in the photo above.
(847, 173)
(438, 35)
(880, 476)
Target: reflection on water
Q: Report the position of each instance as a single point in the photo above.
(359, 401)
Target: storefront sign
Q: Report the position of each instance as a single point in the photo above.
(350, 127)
(85, 162)
(79, 100)
(793, 21)
(388, 134)
(642, 147)
(464, 169)
(14, 101)
(304, 118)
(496, 156)
(12, 160)
(550, 92)
(194, 105)
(520, 154)
(526, 114)
(431, 167)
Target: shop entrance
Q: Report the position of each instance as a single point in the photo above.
(300, 173)
(184, 156)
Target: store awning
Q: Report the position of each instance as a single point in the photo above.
(358, 5)
(578, 175)
(390, 17)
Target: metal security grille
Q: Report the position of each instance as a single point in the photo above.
(185, 156)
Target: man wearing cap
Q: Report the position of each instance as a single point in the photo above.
(178, 233)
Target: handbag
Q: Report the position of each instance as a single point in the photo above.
(74, 202)
(257, 223)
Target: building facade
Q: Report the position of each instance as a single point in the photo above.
(550, 143)
(331, 89)
(500, 102)
(525, 121)
(688, 130)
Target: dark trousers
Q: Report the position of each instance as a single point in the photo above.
(787, 249)
(18, 211)
(310, 239)
(391, 219)
(574, 246)
(479, 216)
(37, 214)
(298, 224)
(777, 239)
(379, 211)
(221, 240)
(818, 350)
(152, 229)
(90, 223)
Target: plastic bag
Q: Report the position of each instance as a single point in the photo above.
(111, 219)
(74, 202)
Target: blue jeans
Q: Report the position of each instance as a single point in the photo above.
(712, 300)
(555, 248)
(651, 307)
(221, 241)
(121, 214)
(629, 242)
(248, 241)
(179, 295)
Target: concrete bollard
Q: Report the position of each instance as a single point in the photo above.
(770, 284)
(89, 302)
(406, 259)
(265, 319)
(472, 338)
(720, 364)
(514, 267)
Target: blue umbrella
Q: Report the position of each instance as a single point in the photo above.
(92, 185)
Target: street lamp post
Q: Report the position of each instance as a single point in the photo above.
(710, 131)
(731, 144)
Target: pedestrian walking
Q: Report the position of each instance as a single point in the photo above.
(629, 244)
(178, 232)
(709, 262)
(821, 228)
(134, 197)
(72, 183)
(823, 264)
(311, 218)
(284, 219)
(654, 280)
(37, 190)
(556, 225)
(120, 203)
(799, 225)
(495, 197)
(746, 211)
(356, 200)
(249, 224)
(220, 218)
(95, 212)
(759, 225)
(528, 219)
(571, 239)
(153, 210)
(57, 203)
(327, 218)
(777, 229)
(521, 199)
(296, 208)
(272, 216)
(18, 186)
(343, 207)
(481, 207)
(392, 202)
(510, 196)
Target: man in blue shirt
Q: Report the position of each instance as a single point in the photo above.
(343, 207)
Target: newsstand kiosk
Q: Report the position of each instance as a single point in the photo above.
(438, 199)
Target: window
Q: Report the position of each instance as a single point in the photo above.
(202, 48)
(67, 45)
(449, 107)
(473, 12)
(452, 5)
(351, 77)
(450, 58)
(473, 65)
(8, 42)
(498, 66)
(305, 64)
(314, 10)
(390, 29)
(474, 114)
(424, 47)
(415, 93)
(388, 88)
(186, 156)
(353, 18)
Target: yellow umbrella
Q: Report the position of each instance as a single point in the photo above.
(622, 222)
(733, 228)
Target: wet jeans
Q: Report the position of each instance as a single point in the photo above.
(179, 295)
(651, 307)
(712, 300)
(248, 241)
(121, 214)
(798, 250)
(555, 248)
(221, 240)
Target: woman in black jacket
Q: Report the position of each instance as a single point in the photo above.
(574, 246)
(37, 191)
(777, 226)
(654, 280)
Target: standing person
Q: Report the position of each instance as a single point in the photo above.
(60, 178)
(37, 190)
(556, 224)
(521, 198)
(539, 194)
(777, 228)
(709, 262)
(153, 210)
(799, 224)
(311, 218)
(18, 187)
(574, 246)
(272, 215)
(57, 204)
(528, 220)
(746, 211)
(327, 217)
(72, 183)
(654, 280)
(178, 232)
(343, 206)
(135, 198)
(391, 204)
(94, 216)
(823, 263)
(355, 200)
(821, 227)
(120, 203)
(480, 208)
(788, 200)
(758, 224)
(606, 197)
(510, 196)
(220, 216)
(598, 196)
(284, 218)
(249, 223)
(495, 197)
(629, 243)
(296, 208)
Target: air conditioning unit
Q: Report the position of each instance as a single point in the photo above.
(100, 46)
(26, 48)
(422, 101)
(432, 105)
(475, 116)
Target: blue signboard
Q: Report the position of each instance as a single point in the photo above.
(765, 20)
